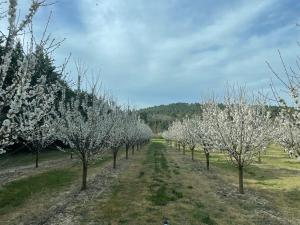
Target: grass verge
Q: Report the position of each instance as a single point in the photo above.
(24, 159)
(18, 192)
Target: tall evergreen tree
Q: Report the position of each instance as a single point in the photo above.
(45, 67)
(16, 58)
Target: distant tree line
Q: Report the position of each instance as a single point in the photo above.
(159, 118)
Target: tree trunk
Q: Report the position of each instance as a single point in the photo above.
(127, 148)
(37, 151)
(115, 159)
(183, 149)
(192, 149)
(207, 160)
(259, 157)
(84, 174)
(71, 156)
(179, 146)
(132, 150)
(241, 180)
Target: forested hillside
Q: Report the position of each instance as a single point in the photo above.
(160, 117)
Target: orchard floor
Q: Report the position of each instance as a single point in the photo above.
(159, 181)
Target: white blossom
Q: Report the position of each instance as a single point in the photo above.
(13, 96)
(243, 128)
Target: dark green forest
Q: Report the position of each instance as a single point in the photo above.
(160, 117)
(44, 66)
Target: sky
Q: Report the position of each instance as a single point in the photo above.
(158, 52)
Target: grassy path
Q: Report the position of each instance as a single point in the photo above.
(20, 172)
(161, 182)
(32, 196)
(157, 182)
(25, 160)
(268, 198)
(153, 187)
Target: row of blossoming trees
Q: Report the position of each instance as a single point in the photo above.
(241, 127)
(39, 113)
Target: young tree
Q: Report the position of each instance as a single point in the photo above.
(128, 130)
(288, 99)
(130, 124)
(176, 133)
(189, 134)
(289, 105)
(37, 119)
(144, 133)
(288, 131)
(86, 123)
(117, 133)
(242, 128)
(200, 133)
(183, 134)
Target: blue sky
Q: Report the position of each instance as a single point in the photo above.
(159, 52)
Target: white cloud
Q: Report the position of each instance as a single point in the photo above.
(154, 52)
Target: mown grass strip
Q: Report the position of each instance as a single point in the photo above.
(200, 214)
(24, 159)
(18, 192)
(161, 192)
(99, 162)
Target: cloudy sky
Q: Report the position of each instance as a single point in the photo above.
(159, 52)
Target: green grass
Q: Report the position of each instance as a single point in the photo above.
(200, 214)
(275, 179)
(156, 157)
(31, 196)
(100, 161)
(142, 173)
(16, 193)
(24, 159)
(141, 192)
(161, 191)
(162, 195)
(159, 181)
